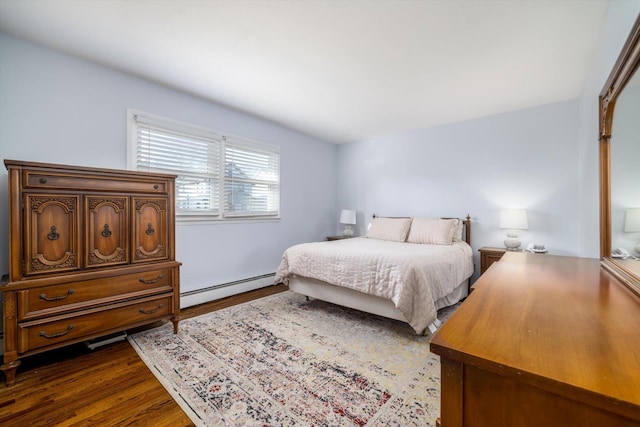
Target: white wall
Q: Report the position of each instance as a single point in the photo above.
(615, 30)
(544, 159)
(521, 159)
(59, 109)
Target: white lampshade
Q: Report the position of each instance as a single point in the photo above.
(347, 217)
(513, 219)
(632, 220)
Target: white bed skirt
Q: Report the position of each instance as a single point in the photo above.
(364, 302)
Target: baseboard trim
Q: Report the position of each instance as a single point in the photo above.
(223, 290)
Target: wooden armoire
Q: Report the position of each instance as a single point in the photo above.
(91, 253)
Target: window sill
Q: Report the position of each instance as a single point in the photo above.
(180, 221)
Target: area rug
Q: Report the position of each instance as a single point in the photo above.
(285, 361)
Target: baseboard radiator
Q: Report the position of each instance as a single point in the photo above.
(222, 290)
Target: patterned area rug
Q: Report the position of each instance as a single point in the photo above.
(285, 361)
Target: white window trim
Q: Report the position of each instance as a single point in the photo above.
(191, 217)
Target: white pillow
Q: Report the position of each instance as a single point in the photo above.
(393, 229)
(457, 235)
(432, 231)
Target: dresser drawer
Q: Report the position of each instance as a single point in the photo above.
(51, 180)
(57, 299)
(91, 323)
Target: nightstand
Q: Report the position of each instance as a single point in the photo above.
(488, 256)
(336, 237)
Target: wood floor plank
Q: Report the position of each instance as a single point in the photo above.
(123, 397)
(108, 386)
(150, 414)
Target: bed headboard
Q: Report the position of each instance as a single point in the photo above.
(466, 222)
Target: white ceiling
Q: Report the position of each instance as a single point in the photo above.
(337, 70)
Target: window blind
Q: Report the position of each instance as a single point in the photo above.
(192, 155)
(251, 179)
(218, 176)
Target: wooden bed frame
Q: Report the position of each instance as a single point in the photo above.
(346, 297)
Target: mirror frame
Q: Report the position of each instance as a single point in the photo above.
(622, 72)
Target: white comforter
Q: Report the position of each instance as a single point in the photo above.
(413, 276)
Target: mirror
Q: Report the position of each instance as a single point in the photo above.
(625, 172)
(620, 166)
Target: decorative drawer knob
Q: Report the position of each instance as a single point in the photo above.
(58, 334)
(150, 282)
(53, 234)
(155, 310)
(43, 180)
(106, 232)
(58, 298)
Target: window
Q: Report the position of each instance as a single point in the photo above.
(219, 176)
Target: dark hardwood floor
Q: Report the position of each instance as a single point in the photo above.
(109, 386)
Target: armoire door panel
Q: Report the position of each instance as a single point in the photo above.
(51, 240)
(107, 231)
(150, 229)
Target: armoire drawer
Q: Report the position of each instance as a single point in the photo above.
(56, 299)
(90, 323)
(51, 180)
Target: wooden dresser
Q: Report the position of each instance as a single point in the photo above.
(542, 341)
(92, 252)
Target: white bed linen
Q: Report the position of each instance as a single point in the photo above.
(412, 276)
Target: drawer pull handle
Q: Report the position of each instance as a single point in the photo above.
(152, 281)
(155, 310)
(53, 234)
(43, 180)
(58, 298)
(105, 231)
(59, 334)
(150, 229)
(155, 187)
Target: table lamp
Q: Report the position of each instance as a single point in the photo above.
(348, 218)
(512, 220)
(632, 224)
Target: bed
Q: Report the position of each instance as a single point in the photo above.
(404, 268)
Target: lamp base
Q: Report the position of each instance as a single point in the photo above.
(512, 244)
(348, 232)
